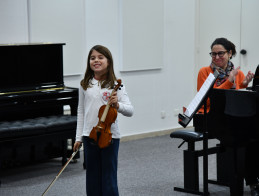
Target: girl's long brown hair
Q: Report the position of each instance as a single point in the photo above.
(110, 78)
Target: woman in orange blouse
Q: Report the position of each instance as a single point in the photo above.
(231, 77)
(222, 51)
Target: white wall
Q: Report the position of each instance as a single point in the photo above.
(13, 21)
(60, 21)
(241, 27)
(151, 92)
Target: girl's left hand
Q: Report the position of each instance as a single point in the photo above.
(114, 100)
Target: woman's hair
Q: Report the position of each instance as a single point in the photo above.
(110, 78)
(228, 45)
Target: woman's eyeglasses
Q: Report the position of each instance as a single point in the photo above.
(220, 54)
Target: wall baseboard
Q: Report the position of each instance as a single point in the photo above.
(149, 134)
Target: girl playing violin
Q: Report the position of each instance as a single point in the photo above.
(95, 90)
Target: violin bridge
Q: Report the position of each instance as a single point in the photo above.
(99, 127)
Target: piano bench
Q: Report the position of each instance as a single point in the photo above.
(188, 135)
(36, 139)
(191, 158)
(35, 126)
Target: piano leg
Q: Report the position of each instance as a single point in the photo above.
(64, 151)
(237, 171)
(223, 176)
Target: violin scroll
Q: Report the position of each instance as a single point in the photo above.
(118, 85)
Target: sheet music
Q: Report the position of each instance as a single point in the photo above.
(198, 97)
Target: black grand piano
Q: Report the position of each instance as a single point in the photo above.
(33, 123)
(233, 120)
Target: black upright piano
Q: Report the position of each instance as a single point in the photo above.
(34, 124)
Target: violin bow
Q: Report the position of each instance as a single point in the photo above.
(63, 168)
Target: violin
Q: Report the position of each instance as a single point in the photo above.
(107, 115)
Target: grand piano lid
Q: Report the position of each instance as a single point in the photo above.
(240, 103)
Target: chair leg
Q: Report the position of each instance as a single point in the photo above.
(191, 170)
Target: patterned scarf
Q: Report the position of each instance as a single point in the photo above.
(223, 74)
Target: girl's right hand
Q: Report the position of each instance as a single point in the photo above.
(76, 146)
